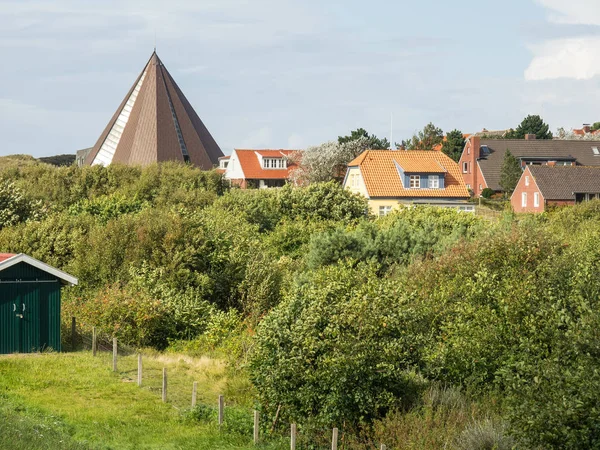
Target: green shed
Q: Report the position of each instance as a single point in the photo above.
(30, 304)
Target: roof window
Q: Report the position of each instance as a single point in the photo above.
(595, 151)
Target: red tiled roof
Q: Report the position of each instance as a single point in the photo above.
(250, 163)
(5, 256)
(382, 178)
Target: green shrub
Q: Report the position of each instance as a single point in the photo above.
(487, 193)
(16, 207)
(485, 435)
(132, 316)
(338, 349)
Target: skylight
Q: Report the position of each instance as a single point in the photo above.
(596, 151)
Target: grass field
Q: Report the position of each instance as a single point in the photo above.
(75, 401)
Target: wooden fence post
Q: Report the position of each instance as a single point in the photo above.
(293, 437)
(94, 343)
(221, 408)
(73, 330)
(334, 439)
(164, 386)
(194, 392)
(114, 354)
(383, 447)
(139, 369)
(256, 423)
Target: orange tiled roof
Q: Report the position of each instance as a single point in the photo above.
(252, 169)
(382, 178)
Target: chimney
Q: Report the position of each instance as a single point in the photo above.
(587, 128)
(530, 137)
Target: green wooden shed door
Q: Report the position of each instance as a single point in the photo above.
(29, 317)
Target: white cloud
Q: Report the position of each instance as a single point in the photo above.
(579, 12)
(577, 58)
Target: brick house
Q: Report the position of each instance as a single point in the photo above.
(481, 160)
(259, 168)
(391, 179)
(543, 186)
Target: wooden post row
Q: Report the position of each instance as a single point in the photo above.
(114, 354)
(194, 392)
(94, 343)
(334, 439)
(164, 385)
(293, 437)
(139, 370)
(221, 408)
(256, 423)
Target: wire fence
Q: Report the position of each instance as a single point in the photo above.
(175, 379)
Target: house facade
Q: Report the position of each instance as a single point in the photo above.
(259, 168)
(543, 186)
(393, 179)
(481, 161)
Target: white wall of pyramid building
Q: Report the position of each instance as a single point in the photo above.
(109, 146)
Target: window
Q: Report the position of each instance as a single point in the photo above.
(595, 151)
(468, 186)
(355, 180)
(434, 182)
(274, 163)
(536, 199)
(480, 187)
(526, 181)
(465, 167)
(469, 150)
(415, 181)
(524, 199)
(384, 210)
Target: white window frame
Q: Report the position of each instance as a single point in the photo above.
(274, 163)
(465, 167)
(433, 182)
(414, 181)
(536, 199)
(526, 180)
(523, 199)
(384, 210)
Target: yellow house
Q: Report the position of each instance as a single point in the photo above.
(394, 178)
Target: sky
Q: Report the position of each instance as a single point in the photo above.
(295, 73)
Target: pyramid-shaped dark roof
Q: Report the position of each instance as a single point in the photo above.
(155, 123)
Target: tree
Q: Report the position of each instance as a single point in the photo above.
(596, 126)
(510, 172)
(327, 161)
(531, 125)
(374, 143)
(454, 144)
(426, 139)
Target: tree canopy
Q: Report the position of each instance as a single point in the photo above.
(373, 142)
(454, 144)
(426, 139)
(532, 124)
(510, 172)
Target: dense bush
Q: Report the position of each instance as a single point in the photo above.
(16, 207)
(336, 350)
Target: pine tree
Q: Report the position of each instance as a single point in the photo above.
(531, 125)
(510, 172)
(454, 144)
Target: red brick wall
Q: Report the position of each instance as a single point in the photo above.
(516, 199)
(472, 177)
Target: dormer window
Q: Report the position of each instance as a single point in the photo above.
(433, 182)
(274, 163)
(415, 181)
(223, 163)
